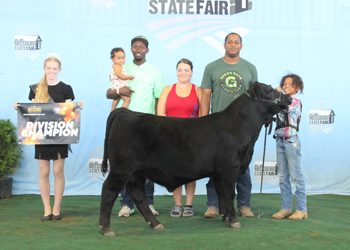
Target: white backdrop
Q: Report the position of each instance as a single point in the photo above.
(306, 37)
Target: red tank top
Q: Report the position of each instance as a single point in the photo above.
(184, 107)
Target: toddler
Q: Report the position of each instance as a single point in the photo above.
(118, 76)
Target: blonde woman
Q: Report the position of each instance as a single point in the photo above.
(50, 89)
(182, 99)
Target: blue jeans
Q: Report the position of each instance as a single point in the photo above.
(149, 190)
(244, 191)
(288, 169)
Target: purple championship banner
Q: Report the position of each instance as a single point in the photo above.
(48, 123)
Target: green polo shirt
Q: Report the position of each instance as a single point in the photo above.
(147, 84)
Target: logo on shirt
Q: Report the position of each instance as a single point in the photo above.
(231, 82)
(195, 110)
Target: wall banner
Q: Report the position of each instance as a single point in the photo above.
(48, 123)
(278, 37)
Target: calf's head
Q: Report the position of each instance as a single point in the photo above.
(267, 95)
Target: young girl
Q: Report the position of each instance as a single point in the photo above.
(118, 76)
(50, 89)
(288, 152)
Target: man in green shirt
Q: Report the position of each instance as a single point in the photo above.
(144, 91)
(223, 81)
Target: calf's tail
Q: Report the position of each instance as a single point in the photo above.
(104, 166)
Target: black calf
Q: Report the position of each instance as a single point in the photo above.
(175, 151)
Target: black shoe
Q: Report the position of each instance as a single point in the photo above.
(46, 218)
(56, 217)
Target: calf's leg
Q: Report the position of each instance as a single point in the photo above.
(222, 205)
(110, 191)
(229, 196)
(225, 187)
(136, 189)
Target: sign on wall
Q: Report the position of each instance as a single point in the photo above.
(48, 123)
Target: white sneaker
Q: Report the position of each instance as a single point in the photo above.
(155, 213)
(126, 211)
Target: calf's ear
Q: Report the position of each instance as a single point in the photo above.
(257, 94)
(252, 89)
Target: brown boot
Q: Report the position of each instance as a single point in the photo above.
(245, 212)
(212, 212)
(281, 214)
(298, 216)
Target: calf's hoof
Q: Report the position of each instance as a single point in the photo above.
(159, 227)
(236, 225)
(225, 219)
(108, 232)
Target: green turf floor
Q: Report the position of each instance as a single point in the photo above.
(328, 226)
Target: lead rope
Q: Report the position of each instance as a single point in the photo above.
(263, 165)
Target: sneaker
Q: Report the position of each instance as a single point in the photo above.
(155, 213)
(212, 212)
(176, 211)
(126, 211)
(245, 212)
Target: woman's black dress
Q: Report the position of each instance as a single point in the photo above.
(59, 93)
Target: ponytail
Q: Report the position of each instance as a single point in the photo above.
(42, 92)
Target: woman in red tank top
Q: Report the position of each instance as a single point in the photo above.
(182, 99)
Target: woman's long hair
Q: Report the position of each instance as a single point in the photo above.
(42, 92)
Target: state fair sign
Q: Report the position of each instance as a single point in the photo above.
(48, 123)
